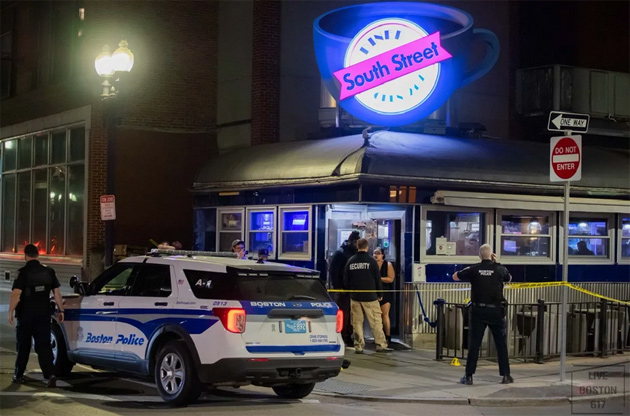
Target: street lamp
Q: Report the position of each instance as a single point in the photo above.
(110, 66)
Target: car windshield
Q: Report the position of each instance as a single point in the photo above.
(211, 285)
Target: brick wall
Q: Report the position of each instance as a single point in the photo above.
(172, 88)
(266, 72)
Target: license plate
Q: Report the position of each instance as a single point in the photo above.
(292, 326)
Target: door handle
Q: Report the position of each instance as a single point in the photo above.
(161, 303)
(108, 303)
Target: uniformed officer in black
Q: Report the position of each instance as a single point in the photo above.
(30, 300)
(486, 280)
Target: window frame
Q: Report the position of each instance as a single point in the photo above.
(274, 231)
(281, 255)
(611, 224)
(33, 135)
(229, 210)
(621, 260)
(551, 259)
(437, 259)
(138, 271)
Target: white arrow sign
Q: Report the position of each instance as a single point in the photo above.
(568, 121)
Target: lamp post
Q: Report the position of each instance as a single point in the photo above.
(110, 66)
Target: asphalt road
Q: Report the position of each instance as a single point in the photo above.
(92, 392)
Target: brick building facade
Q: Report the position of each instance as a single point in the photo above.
(164, 124)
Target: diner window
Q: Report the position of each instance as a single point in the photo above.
(589, 237)
(205, 230)
(230, 225)
(624, 239)
(454, 233)
(261, 230)
(525, 235)
(295, 229)
(43, 192)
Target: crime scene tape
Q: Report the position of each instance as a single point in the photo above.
(532, 285)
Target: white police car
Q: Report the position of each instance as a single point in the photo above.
(193, 320)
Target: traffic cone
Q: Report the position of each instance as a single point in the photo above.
(455, 362)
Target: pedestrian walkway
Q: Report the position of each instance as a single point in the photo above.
(415, 375)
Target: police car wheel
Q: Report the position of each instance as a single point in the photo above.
(63, 366)
(294, 391)
(175, 374)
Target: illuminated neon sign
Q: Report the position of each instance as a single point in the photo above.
(392, 64)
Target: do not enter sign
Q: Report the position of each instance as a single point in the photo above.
(566, 159)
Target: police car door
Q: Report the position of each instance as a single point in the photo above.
(96, 332)
(143, 310)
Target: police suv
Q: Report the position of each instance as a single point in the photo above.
(191, 319)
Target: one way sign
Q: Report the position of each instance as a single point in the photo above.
(568, 121)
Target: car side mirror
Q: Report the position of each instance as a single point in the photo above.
(79, 287)
(74, 281)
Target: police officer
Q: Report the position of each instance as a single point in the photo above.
(362, 277)
(30, 300)
(486, 280)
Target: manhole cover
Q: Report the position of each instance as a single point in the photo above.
(342, 387)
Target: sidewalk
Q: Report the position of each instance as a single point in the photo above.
(415, 376)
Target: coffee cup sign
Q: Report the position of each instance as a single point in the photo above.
(566, 158)
(394, 63)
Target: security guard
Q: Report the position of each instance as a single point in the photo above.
(362, 278)
(30, 300)
(486, 280)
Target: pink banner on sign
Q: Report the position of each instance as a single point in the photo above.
(390, 65)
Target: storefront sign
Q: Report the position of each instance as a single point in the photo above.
(393, 64)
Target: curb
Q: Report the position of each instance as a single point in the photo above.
(397, 399)
(477, 401)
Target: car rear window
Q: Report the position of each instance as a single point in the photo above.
(212, 285)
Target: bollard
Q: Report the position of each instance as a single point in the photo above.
(603, 338)
(540, 332)
(439, 303)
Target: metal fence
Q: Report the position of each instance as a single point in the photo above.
(533, 330)
(458, 292)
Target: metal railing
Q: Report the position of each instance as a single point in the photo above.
(533, 330)
(458, 292)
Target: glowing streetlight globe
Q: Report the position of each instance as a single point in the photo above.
(104, 63)
(122, 57)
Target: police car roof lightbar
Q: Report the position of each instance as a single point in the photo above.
(190, 253)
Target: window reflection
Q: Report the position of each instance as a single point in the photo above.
(40, 203)
(525, 235)
(23, 210)
(57, 204)
(76, 183)
(465, 229)
(8, 212)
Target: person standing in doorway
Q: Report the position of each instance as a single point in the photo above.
(337, 266)
(30, 301)
(387, 278)
(363, 279)
(486, 281)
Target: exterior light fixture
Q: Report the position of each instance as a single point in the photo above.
(108, 64)
(103, 62)
(122, 58)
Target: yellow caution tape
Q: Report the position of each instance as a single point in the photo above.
(532, 285)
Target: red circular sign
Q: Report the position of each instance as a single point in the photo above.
(565, 158)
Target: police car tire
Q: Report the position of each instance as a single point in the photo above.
(294, 391)
(191, 387)
(63, 366)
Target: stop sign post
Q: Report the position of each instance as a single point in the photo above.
(566, 158)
